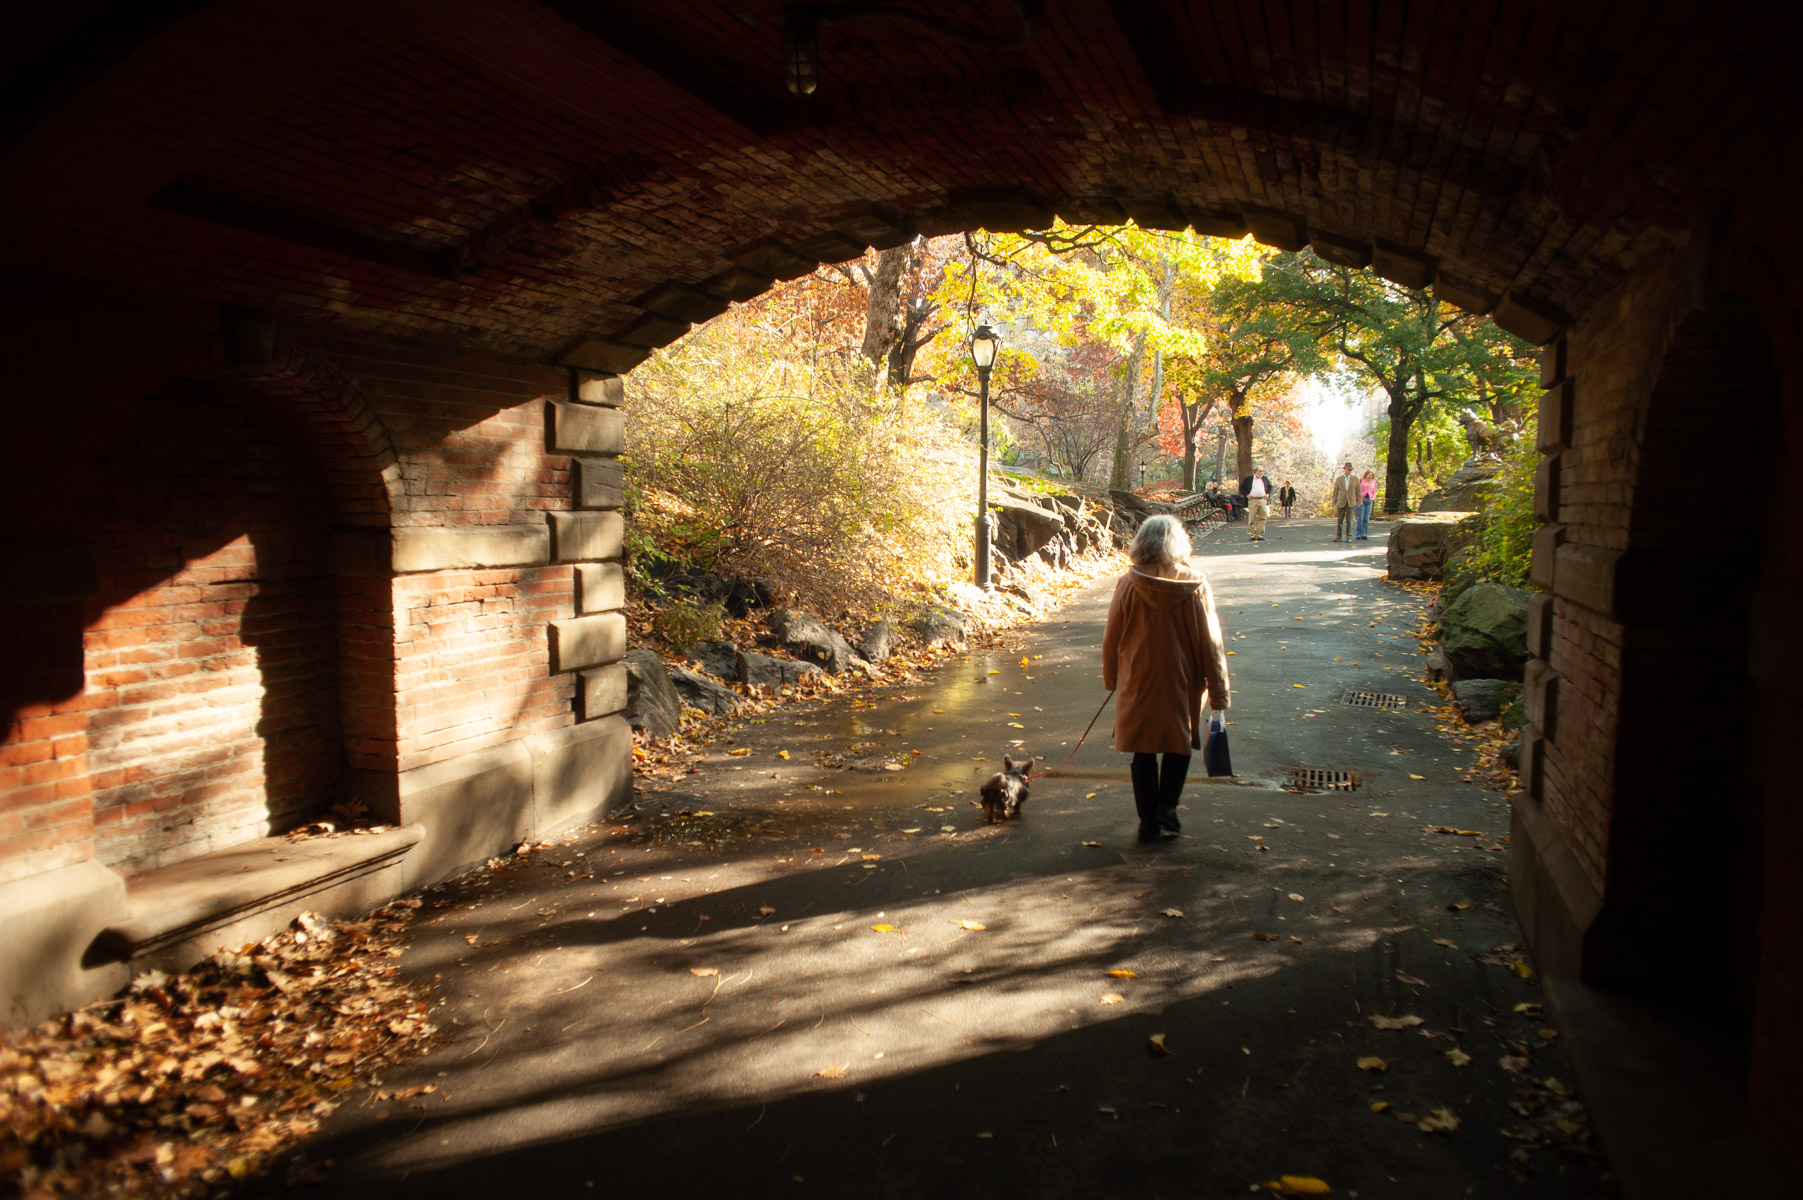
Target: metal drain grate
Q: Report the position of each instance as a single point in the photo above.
(1374, 700)
(1314, 779)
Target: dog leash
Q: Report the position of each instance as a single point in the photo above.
(1079, 745)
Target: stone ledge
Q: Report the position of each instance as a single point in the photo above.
(49, 919)
(383, 553)
(178, 915)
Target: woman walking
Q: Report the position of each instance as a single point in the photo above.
(1161, 653)
(1367, 497)
(1286, 496)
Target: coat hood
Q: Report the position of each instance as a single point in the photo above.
(1165, 592)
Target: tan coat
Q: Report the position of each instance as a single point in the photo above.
(1345, 491)
(1161, 653)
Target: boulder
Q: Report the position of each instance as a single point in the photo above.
(941, 625)
(737, 596)
(877, 642)
(762, 670)
(1126, 501)
(1484, 633)
(1024, 529)
(1463, 491)
(715, 657)
(1420, 544)
(1484, 699)
(698, 691)
(808, 639)
(1068, 502)
(652, 702)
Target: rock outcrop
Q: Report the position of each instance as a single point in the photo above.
(652, 702)
(1484, 633)
(808, 639)
(715, 657)
(1419, 545)
(700, 692)
(1484, 699)
(763, 670)
(1463, 491)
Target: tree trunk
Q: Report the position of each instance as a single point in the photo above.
(1396, 461)
(1122, 476)
(1189, 464)
(1220, 455)
(882, 314)
(1242, 434)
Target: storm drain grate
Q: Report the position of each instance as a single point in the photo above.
(1316, 779)
(1374, 700)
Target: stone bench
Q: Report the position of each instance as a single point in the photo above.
(176, 916)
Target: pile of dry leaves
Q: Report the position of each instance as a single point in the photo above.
(190, 1081)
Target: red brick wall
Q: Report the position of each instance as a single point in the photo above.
(46, 819)
(473, 660)
(211, 649)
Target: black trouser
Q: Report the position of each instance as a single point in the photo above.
(1155, 792)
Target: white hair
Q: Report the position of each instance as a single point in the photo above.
(1160, 541)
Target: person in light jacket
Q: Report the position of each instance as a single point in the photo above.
(1345, 503)
(1162, 653)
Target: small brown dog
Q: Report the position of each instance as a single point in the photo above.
(1006, 792)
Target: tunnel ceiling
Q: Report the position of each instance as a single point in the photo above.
(576, 182)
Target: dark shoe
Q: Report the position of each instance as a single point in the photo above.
(1148, 832)
(1168, 822)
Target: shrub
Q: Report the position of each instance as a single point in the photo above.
(747, 462)
(1505, 551)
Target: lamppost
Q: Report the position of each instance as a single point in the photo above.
(1142, 472)
(983, 345)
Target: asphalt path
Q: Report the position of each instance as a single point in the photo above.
(787, 976)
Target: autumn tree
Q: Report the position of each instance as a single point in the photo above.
(1417, 350)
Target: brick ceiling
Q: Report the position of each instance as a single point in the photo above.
(575, 181)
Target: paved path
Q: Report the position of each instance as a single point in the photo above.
(843, 983)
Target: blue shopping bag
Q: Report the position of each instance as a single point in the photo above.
(1215, 755)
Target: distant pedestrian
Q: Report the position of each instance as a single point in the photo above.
(1162, 652)
(1257, 492)
(1367, 497)
(1286, 496)
(1345, 500)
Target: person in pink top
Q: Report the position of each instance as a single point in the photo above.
(1367, 497)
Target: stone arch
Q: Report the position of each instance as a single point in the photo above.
(668, 309)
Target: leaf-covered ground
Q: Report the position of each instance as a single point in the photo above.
(188, 1082)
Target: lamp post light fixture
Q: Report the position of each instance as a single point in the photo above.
(1142, 472)
(983, 345)
(801, 53)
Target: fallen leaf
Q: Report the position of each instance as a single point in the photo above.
(973, 926)
(1297, 1185)
(837, 1072)
(1442, 1121)
(1113, 998)
(1092, 843)
(1458, 905)
(1521, 968)
(1155, 1043)
(703, 972)
(1299, 685)
(1403, 1022)
(779, 754)
(1023, 660)
(1380, 1105)
(1090, 796)
(1265, 937)
(1414, 776)
(766, 911)
(1121, 974)
(870, 857)
(1295, 896)
(1371, 1062)
(1447, 942)
(1410, 980)
(1549, 1034)
(1170, 912)
(885, 929)
(740, 752)
(1458, 1057)
(1515, 1064)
